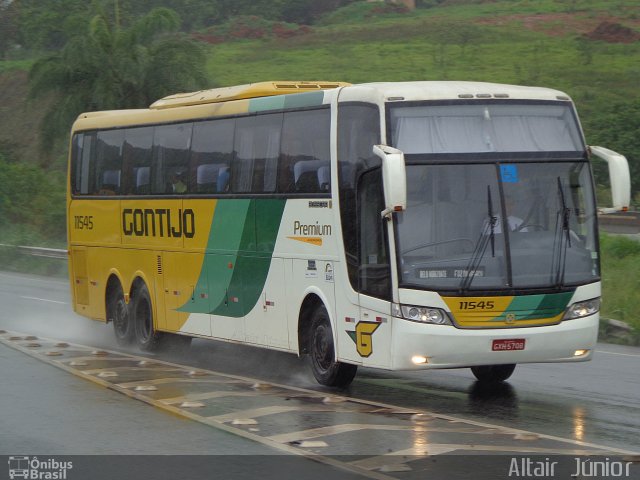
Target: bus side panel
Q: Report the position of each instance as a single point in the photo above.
(183, 285)
(91, 223)
(266, 324)
(306, 241)
(184, 295)
(94, 222)
(79, 278)
(348, 314)
(152, 223)
(373, 332)
(307, 277)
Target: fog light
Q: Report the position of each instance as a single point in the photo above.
(580, 353)
(419, 359)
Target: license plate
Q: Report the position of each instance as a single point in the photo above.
(509, 344)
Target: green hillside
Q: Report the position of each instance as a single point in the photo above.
(522, 42)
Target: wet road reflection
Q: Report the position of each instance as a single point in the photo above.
(570, 401)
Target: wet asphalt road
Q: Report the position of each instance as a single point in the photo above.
(597, 401)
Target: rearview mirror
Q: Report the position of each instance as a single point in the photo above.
(619, 177)
(394, 178)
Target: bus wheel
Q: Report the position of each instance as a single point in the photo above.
(118, 313)
(147, 338)
(322, 352)
(493, 373)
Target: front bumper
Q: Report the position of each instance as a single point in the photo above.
(449, 347)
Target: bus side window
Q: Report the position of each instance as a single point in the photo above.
(143, 180)
(306, 175)
(83, 149)
(171, 144)
(211, 155)
(136, 160)
(108, 162)
(324, 178)
(304, 157)
(257, 146)
(212, 178)
(374, 270)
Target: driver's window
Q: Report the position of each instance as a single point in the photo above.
(374, 272)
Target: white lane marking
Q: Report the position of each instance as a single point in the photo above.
(334, 430)
(44, 300)
(207, 396)
(621, 354)
(163, 381)
(260, 412)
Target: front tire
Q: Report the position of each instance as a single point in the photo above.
(493, 373)
(322, 354)
(118, 314)
(147, 338)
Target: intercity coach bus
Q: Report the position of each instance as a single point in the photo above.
(411, 225)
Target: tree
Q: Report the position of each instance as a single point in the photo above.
(108, 67)
(8, 27)
(48, 25)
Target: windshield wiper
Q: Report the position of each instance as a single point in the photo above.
(562, 237)
(486, 235)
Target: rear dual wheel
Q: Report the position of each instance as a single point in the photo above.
(118, 314)
(147, 337)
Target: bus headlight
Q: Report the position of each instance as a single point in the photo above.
(582, 309)
(435, 316)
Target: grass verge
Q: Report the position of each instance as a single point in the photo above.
(621, 285)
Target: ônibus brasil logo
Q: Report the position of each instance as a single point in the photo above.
(35, 469)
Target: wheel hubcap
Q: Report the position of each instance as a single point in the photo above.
(323, 351)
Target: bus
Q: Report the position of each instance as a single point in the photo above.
(414, 225)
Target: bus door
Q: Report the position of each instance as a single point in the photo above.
(373, 328)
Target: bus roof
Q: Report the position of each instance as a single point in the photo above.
(241, 92)
(235, 100)
(454, 90)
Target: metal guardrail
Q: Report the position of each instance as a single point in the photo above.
(39, 251)
(620, 222)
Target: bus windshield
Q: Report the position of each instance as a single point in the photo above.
(434, 128)
(493, 226)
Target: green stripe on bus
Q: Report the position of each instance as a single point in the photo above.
(532, 307)
(239, 251)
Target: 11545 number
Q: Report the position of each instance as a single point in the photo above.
(481, 305)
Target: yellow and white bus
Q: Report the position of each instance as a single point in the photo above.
(391, 225)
